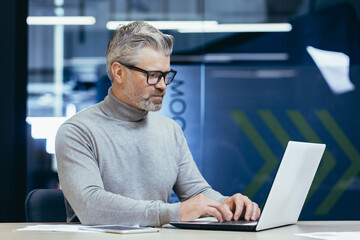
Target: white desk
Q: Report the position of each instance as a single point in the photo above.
(8, 232)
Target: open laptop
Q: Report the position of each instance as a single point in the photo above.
(287, 194)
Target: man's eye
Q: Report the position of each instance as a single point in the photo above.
(154, 75)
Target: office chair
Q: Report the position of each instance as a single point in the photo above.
(45, 205)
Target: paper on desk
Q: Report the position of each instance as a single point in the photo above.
(58, 228)
(53, 228)
(332, 235)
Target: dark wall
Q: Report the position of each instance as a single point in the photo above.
(13, 79)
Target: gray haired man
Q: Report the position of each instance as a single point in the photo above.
(118, 160)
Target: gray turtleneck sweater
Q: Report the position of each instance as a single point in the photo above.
(118, 164)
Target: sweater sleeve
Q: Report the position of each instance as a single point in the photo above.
(190, 182)
(83, 187)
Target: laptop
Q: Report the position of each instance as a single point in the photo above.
(287, 194)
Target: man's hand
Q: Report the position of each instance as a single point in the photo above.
(199, 205)
(242, 207)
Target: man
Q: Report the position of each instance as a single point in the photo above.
(118, 161)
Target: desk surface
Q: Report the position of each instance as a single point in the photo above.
(8, 231)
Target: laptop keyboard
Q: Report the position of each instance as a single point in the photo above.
(240, 222)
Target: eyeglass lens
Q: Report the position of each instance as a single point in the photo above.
(154, 77)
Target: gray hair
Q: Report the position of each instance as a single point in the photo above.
(127, 41)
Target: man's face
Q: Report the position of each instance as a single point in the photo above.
(137, 92)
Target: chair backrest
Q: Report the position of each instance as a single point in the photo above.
(45, 205)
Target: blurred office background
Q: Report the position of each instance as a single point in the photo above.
(252, 75)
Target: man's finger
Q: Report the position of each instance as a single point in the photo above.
(249, 209)
(224, 211)
(256, 209)
(214, 212)
(239, 206)
(258, 213)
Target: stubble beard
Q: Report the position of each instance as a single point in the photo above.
(145, 103)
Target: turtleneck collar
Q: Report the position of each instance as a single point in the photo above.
(115, 108)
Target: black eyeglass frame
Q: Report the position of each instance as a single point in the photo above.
(163, 74)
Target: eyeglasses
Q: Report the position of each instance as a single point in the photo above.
(153, 77)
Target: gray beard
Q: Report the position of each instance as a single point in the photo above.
(149, 106)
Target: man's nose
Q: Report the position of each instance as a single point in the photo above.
(161, 84)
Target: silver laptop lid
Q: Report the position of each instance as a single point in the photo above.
(291, 184)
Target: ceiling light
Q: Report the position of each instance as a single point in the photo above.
(168, 25)
(244, 27)
(63, 20)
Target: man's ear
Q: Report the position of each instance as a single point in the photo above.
(118, 72)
